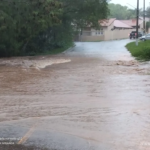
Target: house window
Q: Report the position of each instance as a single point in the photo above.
(99, 32)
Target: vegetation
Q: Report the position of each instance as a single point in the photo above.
(147, 14)
(28, 27)
(124, 12)
(147, 26)
(142, 51)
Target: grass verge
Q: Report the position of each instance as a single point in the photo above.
(140, 52)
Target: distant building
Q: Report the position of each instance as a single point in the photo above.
(111, 29)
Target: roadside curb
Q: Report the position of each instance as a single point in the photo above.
(69, 49)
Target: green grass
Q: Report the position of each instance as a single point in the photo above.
(140, 52)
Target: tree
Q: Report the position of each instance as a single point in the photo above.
(147, 12)
(76, 15)
(32, 26)
(85, 12)
(122, 12)
(22, 21)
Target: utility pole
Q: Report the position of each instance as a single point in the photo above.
(144, 17)
(137, 23)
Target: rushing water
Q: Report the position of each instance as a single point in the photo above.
(97, 97)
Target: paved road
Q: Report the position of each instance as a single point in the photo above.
(98, 101)
(112, 50)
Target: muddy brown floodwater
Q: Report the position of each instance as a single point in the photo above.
(94, 96)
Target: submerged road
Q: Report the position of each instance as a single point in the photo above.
(99, 100)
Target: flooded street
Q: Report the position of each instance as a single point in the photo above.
(94, 96)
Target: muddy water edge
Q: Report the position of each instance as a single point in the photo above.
(104, 102)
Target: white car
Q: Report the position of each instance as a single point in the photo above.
(145, 37)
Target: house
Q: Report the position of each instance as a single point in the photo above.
(111, 29)
(146, 20)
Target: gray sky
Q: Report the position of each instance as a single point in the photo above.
(131, 2)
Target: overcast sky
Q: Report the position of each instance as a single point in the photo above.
(131, 2)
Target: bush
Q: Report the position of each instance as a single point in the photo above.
(21, 23)
(142, 51)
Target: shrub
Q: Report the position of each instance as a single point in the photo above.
(142, 51)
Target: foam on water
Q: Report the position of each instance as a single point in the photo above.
(37, 63)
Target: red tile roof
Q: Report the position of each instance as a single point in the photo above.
(131, 22)
(107, 22)
(119, 24)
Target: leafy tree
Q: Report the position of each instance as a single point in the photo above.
(122, 12)
(22, 21)
(147, 14)
(85, 12)
(28, 27)
(147, 25)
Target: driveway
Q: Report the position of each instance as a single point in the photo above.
(95, 96)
